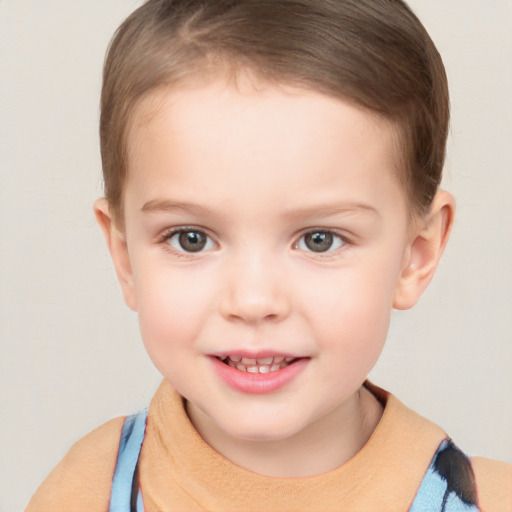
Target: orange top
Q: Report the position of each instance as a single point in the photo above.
(179, 471)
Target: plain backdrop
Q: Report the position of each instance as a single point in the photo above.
(71, 355)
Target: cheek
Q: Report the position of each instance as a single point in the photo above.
(352, 327)
(352, 307)
(172, 306)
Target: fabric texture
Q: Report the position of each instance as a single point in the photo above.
(125, 493)
(179, 471)
(448, 486)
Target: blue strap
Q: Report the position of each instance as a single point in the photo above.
(130, 443)
(434, 495)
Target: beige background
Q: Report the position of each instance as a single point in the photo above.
(70, 352)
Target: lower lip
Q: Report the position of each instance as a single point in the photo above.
(258, 383)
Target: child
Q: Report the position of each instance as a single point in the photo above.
(271, 176)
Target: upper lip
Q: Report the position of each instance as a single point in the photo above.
(249, 354)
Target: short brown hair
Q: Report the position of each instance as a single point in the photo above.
(375, 53)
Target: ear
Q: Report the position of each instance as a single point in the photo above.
(116, 242)
(428, 240)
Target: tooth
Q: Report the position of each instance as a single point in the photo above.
(266, 360)
(246, 360)
(231, 363)
(264, 369)
(252, 369)
(235, 358)
(277, 360)
(275, 367)
(241, 367)
(288, 359)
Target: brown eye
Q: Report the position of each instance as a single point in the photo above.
(320, 241)
(190, 241)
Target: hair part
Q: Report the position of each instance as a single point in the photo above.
(374, 53)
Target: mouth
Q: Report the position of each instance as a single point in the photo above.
(258, 373)
(258, 365)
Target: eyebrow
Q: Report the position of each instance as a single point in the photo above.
(324, 210)
(165, 205)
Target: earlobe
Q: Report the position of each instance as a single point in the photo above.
(422, 256)
(117, 246)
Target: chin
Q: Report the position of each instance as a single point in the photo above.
(262, 432)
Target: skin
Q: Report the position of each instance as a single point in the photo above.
(255, 167)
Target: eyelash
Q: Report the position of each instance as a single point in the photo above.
(168, 235)
(330, 252)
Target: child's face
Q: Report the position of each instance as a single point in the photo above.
(263, 224)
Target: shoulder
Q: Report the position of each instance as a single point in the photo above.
(83, 478)
(494, 483)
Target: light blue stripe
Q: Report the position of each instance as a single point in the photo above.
(132, 436)
(140, 504)
(429, 497)
(430, 494)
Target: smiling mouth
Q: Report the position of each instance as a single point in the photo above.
(260, 365)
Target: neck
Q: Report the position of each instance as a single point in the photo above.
(323, 446)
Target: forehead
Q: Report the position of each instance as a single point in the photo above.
(253, 138)
(198, 99)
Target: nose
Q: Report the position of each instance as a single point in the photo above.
(255, 291)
